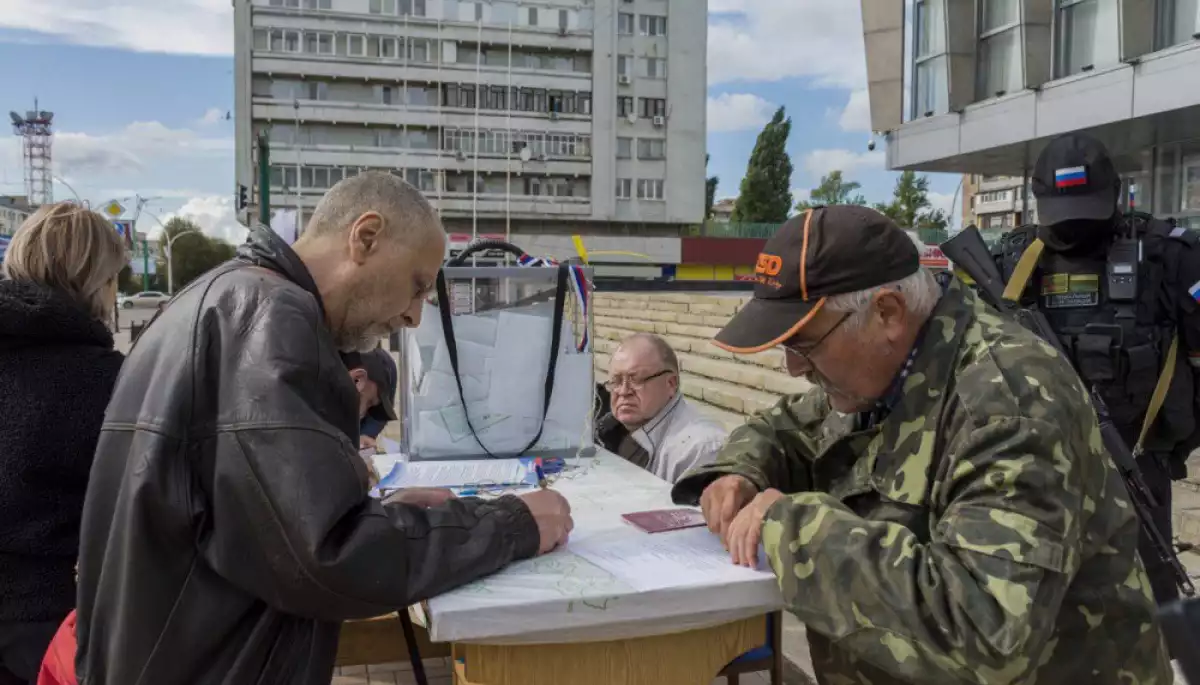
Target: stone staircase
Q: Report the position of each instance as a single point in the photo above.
(723, 385)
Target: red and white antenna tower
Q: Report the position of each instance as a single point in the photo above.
(37, 130)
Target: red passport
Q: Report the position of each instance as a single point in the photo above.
(663, 520)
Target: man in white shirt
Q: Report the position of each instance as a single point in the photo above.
(651, 424)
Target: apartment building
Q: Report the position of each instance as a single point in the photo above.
(513, 116)
(980, 86)
(997, 203)
(14, 210)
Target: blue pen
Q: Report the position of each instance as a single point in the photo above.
(541, 476)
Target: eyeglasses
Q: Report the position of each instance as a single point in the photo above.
(635, 384)
(806, 351)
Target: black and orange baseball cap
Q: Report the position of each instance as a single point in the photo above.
(825, 251)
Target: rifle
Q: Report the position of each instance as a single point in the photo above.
(968, 252)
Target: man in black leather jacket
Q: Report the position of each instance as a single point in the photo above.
(227, 528)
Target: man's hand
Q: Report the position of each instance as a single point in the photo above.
(366, 442)
(744, 534)
(723, 499)
(552, 513)
(420, 497)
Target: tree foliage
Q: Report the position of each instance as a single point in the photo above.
(910, 207)
(766, 195)
(195, 253)
(710, 191)
(833, 190)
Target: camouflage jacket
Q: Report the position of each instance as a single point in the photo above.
(978, 534)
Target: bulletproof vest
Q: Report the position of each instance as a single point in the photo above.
(1117, 342)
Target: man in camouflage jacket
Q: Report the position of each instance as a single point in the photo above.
(940, 509)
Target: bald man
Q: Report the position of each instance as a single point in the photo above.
(651, 425)
(227, 528)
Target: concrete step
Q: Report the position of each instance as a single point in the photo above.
(618, 329)
(727, 396)
(752, 376)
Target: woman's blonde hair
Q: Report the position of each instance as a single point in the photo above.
(70, 248)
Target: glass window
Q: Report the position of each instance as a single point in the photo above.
(932, 95)
(624, 188)
(653, 107)
(651, 148)
(291, 41)
(931, 28)
(261, 39)
(317, 90)
(382, 6)
(649, 189)
(415, 8)
(1000, 64)
(624, 106)
(276, 40)
(654, 67)
(533, 16)
(1190, 173)
(356, 46)
(1087, 35)
(998, 14)
(1178, 21)
(650, 25)
(562, 20)
(625, 24)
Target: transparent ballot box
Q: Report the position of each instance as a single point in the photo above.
(492, 402)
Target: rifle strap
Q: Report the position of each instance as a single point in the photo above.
(1159, 396)
(1023, 271)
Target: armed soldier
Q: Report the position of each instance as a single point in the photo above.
(1120, 291)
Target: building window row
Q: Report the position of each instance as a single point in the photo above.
(452, 95)
(647, 188)
(499, 56)
(495, 12)
(995, 196)
(321, 178)
(647, 108)
(647, 24)
(505, 143)
(647, 148)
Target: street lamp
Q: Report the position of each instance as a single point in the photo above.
(171, 262)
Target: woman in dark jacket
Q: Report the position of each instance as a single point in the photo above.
(57, 371)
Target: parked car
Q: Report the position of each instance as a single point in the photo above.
(150, 299)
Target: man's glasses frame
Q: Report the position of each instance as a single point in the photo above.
(615, 383)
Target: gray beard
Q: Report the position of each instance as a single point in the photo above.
(360, 345)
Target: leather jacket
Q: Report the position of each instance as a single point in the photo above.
(227, 529)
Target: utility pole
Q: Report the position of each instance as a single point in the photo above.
(145, 264)
(264, 179)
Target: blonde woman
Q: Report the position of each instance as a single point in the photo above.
(57, 371)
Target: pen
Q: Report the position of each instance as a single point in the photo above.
(541, 476)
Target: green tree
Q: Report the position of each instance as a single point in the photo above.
(195, 253)
(766, 195)
(833, 190)
(910, 206)
(710, 191)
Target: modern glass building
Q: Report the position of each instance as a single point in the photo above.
(980, 86)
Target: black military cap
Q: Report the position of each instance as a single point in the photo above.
(381, 370)
(825, 251)
(1074, 179)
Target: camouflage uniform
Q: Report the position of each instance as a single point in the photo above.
(979, 533)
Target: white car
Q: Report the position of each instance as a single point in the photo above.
(150, 299)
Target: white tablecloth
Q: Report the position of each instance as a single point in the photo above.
(561, 597)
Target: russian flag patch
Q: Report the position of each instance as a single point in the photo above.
(1194, 291)
(1070, 177)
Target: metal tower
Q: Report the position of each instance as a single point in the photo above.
(37, 130)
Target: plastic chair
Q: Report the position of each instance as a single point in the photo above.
(769, 657)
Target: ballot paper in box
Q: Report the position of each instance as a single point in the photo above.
(474, 374)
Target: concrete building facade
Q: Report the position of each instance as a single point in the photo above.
(980, 86)
(996, 203)
(513, 116)
(14, 210)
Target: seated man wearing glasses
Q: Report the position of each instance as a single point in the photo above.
(650, 423)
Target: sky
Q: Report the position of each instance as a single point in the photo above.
(141, 89)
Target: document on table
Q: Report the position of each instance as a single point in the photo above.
(456, 474)
(654, 562)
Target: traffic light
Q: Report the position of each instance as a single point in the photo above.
(243, 200)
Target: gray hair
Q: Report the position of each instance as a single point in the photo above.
(921, 295)
(71, 249)
(664, 351)
(403, 208)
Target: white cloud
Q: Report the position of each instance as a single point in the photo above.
(194, 27)
(726, 6)
(737, 112)
(215, 216)
(820, 162)
(134, 148)
(762, 43)
(948, 203)
(857, 114)
(212, 116)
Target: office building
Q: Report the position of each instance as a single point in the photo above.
(980, 86)
(542, 116)
(14, 210)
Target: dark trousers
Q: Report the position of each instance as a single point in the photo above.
(1156, 472)
(22, 647)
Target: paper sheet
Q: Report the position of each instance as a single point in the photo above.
(654, 562)
(453, 474)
